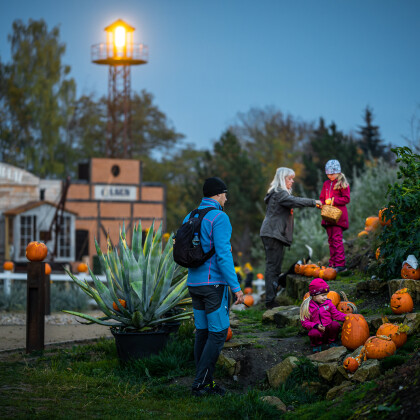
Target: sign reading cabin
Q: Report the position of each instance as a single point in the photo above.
(115, 192)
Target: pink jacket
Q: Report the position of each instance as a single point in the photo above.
(341, 198)
(322, 314)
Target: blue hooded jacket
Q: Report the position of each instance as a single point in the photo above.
(216, 231)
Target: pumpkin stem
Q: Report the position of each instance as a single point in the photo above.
(344, 296)
(384, 319)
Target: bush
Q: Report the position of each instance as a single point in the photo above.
(402, 237)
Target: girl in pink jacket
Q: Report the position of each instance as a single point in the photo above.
(337, 191)
(317, 314)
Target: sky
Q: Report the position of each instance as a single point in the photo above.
(212, 59)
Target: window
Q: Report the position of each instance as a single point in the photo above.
(27, 232)
(64, 242)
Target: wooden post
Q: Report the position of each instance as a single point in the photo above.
(47, 295)
(35, 306)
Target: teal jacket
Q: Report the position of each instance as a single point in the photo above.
(216, 231)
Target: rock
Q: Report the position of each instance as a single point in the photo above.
(315, 387)
(268, 316)
(334, 354)
(413, 321)
(288, 317)
(373, 286)
(327, 370)
(356, 352)
(276, 402)
(342, 375)
(297, 286)
(367, 371)
(228, 363)
(375, 321)
(234, 323)
(413, 287)
(280, 372)
(339, 390)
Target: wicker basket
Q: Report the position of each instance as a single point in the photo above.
(331, 214)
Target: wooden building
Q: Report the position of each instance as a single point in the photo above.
(108, 193)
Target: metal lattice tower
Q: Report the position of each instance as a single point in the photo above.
(119, 53)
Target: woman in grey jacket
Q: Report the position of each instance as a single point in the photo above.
(277, 228)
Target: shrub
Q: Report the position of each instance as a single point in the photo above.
(402, 237)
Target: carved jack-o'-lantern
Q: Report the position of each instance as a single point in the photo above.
(355, 331)
(397, 333)
(408, 272)
(345, 306)
(36, 251)
(379, 347)
(350, 364)
(401, 302)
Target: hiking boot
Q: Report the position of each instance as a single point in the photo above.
(340, 269)
(208, 389)
(316, 349)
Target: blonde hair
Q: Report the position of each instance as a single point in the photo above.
(304, 309)
(341, 182)
(279, 183)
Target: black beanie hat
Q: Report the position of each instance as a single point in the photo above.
(213, 186)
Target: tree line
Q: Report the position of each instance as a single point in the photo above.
(46, 129)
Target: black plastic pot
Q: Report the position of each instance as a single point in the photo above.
(137, 345)
(171, 327)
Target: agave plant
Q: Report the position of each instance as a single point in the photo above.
(143, 283)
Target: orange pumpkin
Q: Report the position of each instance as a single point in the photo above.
(248, 290)
(316, 272)
(350, 364)
(395, 332)
(260, 276)
(379, 347)
(297, 268)
(122, 303)
(362, 234)
(377, 253)
(82, 268)
(355, 331)
(345, 306)
(334, 297)
(8, 266)
(47, 269)
(248, 300)
(372, 223)
(329, 274)
(36, 251)
(401, 302)
(309, 270)
(408, 272)
(229, 334)
(382, 220)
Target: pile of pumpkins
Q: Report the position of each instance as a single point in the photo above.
(389, 337)
(314, 270)
(372, 223)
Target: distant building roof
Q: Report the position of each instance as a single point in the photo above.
(31, 205)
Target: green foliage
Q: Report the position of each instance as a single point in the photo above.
(145, 277)
(305, 371)
(402, 237)
(393, 361)
(368, 194)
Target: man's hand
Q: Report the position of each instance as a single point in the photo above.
(319, 203)
(239, 297)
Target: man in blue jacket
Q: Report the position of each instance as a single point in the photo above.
(208, 286)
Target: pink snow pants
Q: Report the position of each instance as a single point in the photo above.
(335, 241)
(328, 336)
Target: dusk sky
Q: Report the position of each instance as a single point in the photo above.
(209, 60)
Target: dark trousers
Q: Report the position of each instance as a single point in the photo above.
(328, 336)
(211, 318)
(274, 253)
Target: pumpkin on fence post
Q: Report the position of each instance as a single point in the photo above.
(36, 251)
(47, 269)
(8, 266)
(82, 268)
(355, 331)
(401, 302)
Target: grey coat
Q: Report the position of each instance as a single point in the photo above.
(278, 222)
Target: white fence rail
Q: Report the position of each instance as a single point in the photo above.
(8, 276)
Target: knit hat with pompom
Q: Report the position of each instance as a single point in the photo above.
(318, 287)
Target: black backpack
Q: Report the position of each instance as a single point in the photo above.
(188, 251)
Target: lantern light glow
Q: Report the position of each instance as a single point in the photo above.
(119, 37)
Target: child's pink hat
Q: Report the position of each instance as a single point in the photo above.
(318, 287)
